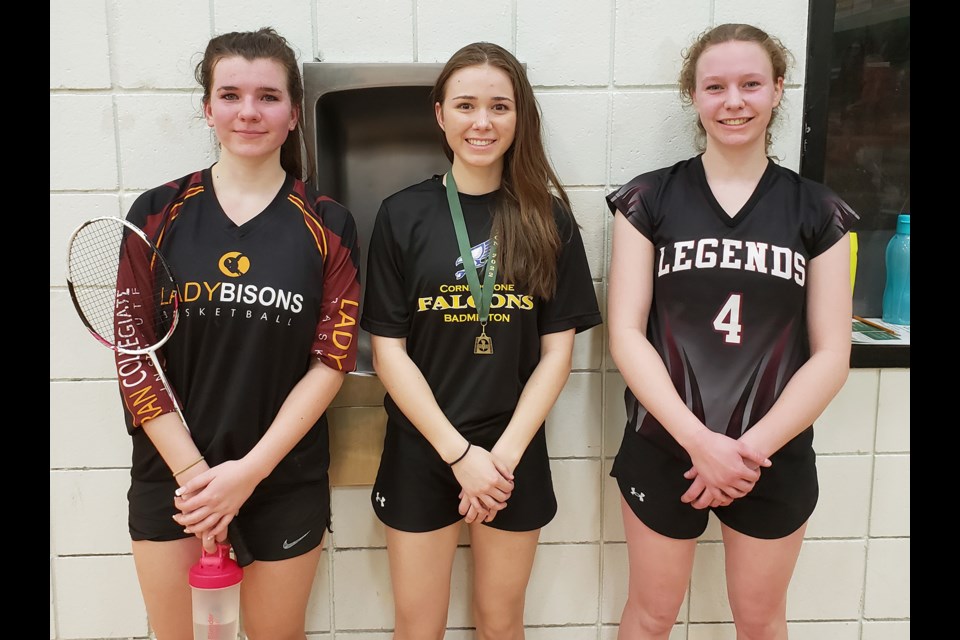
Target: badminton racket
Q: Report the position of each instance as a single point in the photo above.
(123, 290)
(127, 297)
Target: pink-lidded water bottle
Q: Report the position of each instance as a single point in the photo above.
(215, 585)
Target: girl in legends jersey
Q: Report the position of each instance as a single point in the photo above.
(729, 319)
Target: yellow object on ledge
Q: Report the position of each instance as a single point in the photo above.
(853, 260)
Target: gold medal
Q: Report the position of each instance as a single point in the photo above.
(483, 344)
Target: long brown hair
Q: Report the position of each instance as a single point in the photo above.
(780, 59)
(264, 43)
(523, 218)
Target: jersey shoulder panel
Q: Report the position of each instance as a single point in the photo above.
(414, 194)
(825, 216)
(157, 198)
(331, 223)
(637, 199)
(403, 214)
(325, 209)
(154, 209)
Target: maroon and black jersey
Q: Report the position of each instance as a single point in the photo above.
(259, 302)
(728, 314)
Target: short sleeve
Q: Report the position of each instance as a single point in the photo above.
(574, 305)
(144, 396)
(336, 334)
(385, 309)
(634, 201)
(834, 218)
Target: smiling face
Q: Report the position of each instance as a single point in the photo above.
(736, 93)
(249, 107)
(479, 117)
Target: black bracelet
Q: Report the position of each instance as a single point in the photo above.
(462, 456)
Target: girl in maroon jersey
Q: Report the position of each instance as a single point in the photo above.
(266, 335)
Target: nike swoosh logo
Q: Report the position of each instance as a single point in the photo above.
(287, 545)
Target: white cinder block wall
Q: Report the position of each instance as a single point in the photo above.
(124, 117)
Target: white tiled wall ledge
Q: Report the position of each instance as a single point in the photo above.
(853, 571)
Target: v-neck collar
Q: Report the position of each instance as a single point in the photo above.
(253, 222)
(731, 221)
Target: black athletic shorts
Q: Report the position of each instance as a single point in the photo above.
(651, 481)
(416, 490)
(275, 523)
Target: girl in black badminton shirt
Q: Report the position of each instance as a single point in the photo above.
(477, 282)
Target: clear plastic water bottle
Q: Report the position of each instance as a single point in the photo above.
(896, 292)
(215, 584)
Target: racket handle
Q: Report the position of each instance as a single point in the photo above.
(166, 385)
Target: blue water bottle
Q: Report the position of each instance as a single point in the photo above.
(896, 292)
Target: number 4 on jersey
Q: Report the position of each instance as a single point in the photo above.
(728, 320)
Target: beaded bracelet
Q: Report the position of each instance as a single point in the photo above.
(462, 456)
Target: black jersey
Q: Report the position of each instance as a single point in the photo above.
(259, 302)
(728, 314)
(417, 289)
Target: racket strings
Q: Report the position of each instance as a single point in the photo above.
(121, 286)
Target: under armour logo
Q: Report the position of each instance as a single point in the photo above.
(640, 495)
(381, 499)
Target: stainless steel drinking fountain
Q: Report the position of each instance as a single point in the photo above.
(372, 129)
